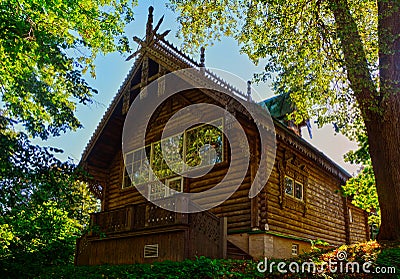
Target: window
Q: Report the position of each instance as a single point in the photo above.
(175, 184)
(295, 249)
(298, 190)
(201, 141)
(158, 191)
(293, 188)
(197, 147)
(137, 167)
(289, 185)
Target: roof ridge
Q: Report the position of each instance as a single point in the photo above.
(179, 52)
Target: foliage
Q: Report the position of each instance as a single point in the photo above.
(43, 207)
(299, 42)
(218, 268)
(200, 268)
(362, 190)
(337, 60)
(45, 47)
(390, 258)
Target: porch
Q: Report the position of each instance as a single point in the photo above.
(144, 233)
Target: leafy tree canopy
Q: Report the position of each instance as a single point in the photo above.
(45, 47)
(300, 43)
(338, 59)
(43, 206)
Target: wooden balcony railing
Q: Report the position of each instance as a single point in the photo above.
(201, 233)
(138, 216)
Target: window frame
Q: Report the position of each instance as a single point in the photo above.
(169, 180)
(294, 190)
(152, 178)
(125, 171)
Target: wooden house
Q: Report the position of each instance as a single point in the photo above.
(301, 201)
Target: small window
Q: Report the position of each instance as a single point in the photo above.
(293, 188)
(151, 251)
(298, 193)
(295, 249)
(289, 185)
(175, 184)
(157, 190)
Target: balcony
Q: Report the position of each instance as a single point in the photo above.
(177, 235)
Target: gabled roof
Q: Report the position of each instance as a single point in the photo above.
(105, 143)
(154, 46)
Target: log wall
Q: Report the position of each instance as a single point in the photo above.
(322, 214)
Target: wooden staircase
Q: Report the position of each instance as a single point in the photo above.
(234, 252)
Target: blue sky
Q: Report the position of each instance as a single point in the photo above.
(112, 70)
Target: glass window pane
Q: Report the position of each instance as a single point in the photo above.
(159, 166)
(175, 184)
(157, 191)
(289, 185)
(129, 158)
(298, 190)
(173, 150)
(137, 165)
(204, 145)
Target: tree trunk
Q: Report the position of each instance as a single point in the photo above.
(384, 148)
(380, 108)
(384, 132)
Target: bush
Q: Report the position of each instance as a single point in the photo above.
(200, 268)
(218, 268)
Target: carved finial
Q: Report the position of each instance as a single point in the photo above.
(249, 90)
(202, 57)
(149, 26)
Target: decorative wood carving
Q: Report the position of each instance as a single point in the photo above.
(292, 167)
(156, 216)
(118, 220)
(145, 77)
(204, 223)
(161, 80)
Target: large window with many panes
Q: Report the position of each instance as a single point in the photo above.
(197, 147)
